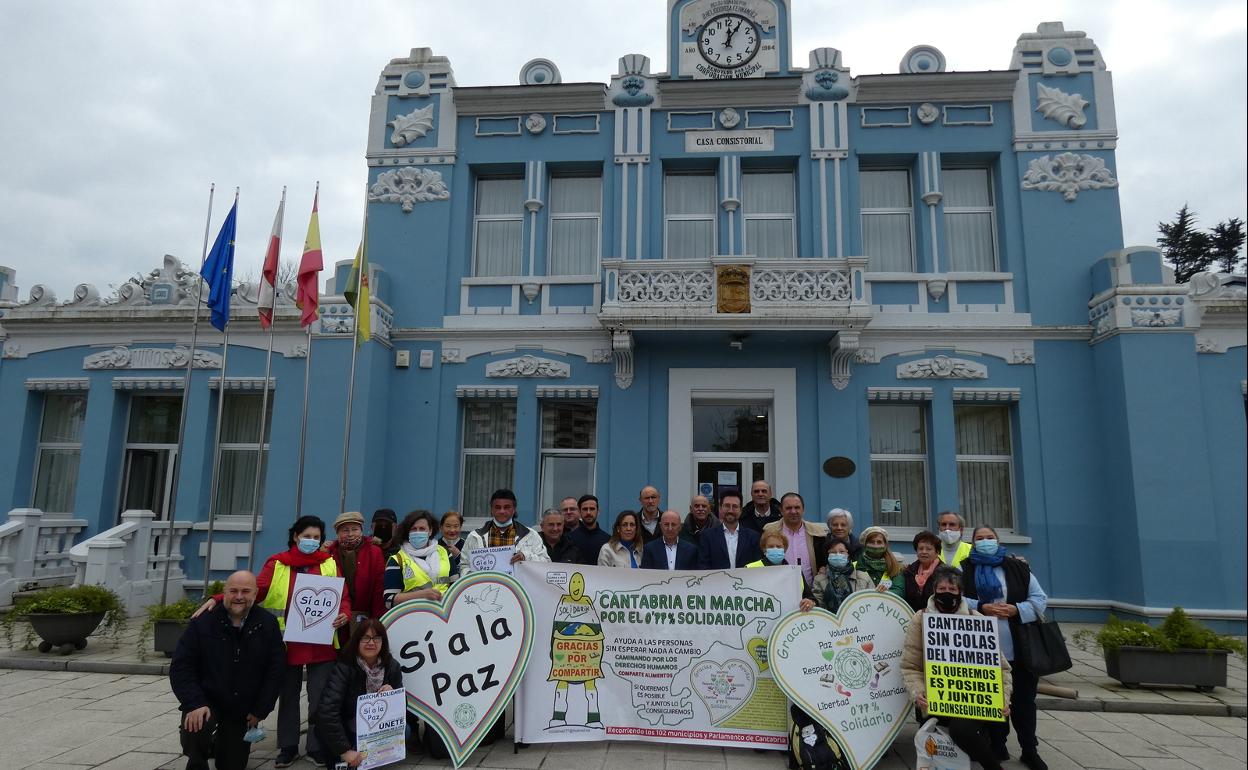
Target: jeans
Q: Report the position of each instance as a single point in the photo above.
(219, 738)
(288, 705)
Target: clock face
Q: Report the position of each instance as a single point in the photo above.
(728, 41)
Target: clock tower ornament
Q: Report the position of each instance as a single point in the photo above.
(729, 39)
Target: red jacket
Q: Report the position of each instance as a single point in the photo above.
(370, 569)
(300, 653)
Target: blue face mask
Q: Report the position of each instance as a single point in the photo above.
(987, 546)
(774, 555)
(838, 560)
(308, 545)
(504, 524)
(418, 539)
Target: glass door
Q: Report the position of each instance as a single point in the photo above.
(151, 450)
(731, 446)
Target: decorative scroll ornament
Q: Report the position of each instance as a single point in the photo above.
(634, 92)
(413, 125)
(122, 357)
(673, 287)
(409, 186)
(1065, 108)
(787, 285)
(927, 113)
(1068, 174)
(1153, 318)
(85, 295)
(528, 366)
(844, 348)
(535, 123)
(823, 86)
(729, 117)
(40, 296)
(942, 368)
(622, 350)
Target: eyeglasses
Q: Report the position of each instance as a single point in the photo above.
(370, 640)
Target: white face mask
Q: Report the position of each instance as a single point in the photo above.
(950, 536)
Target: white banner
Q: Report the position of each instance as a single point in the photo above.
(381, 728)
(756, 140)
(652, 655)
(496, 559)
(313, 606)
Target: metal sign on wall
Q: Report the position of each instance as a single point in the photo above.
(758, 140)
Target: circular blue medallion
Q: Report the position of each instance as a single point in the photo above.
(414, 79)
(1060, 56)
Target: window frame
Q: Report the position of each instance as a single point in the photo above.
(865, 211)
(465, 452)
(552, 452)
(990, 210)
(924, 458)
(246, 448)
(553, 216)
(746, 216)
(1007, 460)
(477, 219)
(41, 445)
(712, 217)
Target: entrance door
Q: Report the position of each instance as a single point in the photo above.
(151, 447)
(731, 446)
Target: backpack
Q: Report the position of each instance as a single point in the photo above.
(810, 746)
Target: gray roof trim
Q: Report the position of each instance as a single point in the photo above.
(746, 92)
(936, 87)
(513, 100)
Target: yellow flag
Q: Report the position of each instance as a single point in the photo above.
(356, 292)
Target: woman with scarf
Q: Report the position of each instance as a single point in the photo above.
(918, 573)
(840, 579)
(420, 567)
(362, 564)
(366, 667)
(624, 549)
(773, 545)
(1001, 586)
(878, 561)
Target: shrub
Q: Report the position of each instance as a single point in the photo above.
(1176, 632)
(72, 599)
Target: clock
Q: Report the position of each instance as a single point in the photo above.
(728, 41)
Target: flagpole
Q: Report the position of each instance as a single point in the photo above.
(307, 363)
(355, 349)
(186, 398)
(303, 430)
(264, 406)
(216, 455)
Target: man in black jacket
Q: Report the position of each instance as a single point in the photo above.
(559, 546)
(762, 509)
(226, 674)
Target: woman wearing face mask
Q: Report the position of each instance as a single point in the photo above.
(362, 564)
(840, 579)
(773, 545)
(420, 568)
(878, 561)
(918, 574)
(1001, 586)
(972, 736)
(624, 549)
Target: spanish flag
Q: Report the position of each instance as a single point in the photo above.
(356, 290)
(307, 296)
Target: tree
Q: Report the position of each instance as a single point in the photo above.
(1190, 251)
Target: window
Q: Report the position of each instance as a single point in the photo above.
(731, 427)
(689, 216)
(489, 453)
(151, 443)
(887, 220)
(970, 219)
(575, 224)
(899, 465)
(568, 450)
(60, 448)
(768, 206)
(240, 430)
(985, 466)
(498, 226)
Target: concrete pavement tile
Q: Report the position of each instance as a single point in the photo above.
(1128, 745)
(137, 760)
(680, 763)
(47, 766)
(1155, 763)
(1211, 759)
(169, 742)
(1189, 696)
(742, 760)
(1190, 725)
(1084, 722)
(100, 751)
(1055, 759)
(503, 755)
(1236, 747)
(1236, 726)
(1152, 729)
(1089, 754)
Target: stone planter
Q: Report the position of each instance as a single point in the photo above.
(1202, 669)
(165, 635)
(66, 631)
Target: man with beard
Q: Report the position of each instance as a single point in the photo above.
(727, 545)
(699, 518)
(363, 567)
(589, 537)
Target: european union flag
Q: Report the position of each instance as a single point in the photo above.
(218, 271)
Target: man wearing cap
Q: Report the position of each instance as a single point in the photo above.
(362, 563)
(384, 522)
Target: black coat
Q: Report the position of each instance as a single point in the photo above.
(654, 555)
(335, 717)
(713, 548)
(232, 671)
(563, 552)
(915, 596)
(751, 520)
(589, 542)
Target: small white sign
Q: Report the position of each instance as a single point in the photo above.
(314, 603)
(706, 489)
(889, 505)
(727, 478)
(497, 559)
(380, 727)
(758, 140)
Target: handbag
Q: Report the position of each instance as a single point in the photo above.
(1040, 647)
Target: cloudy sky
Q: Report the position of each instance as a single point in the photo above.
(117, 115)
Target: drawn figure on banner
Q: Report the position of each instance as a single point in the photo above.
(576, 647)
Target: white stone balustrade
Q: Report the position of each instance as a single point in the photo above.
(34, 551)
(130, 559)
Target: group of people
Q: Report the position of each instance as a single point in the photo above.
(421, 556)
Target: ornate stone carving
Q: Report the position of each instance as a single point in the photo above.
(599, 356)
(171, 284)
(528, 366)
(535, 123)
(40, 296)
(298, 351)
(844, 347)
(85, 295)
(1216, 286)
(622, 349)
(1068, 174)
(936, 288)
(823, 86)
(732, 289)
(666, 286)
(13, 350)
(130, 294)
(1156, 317)
(122, 357)
(634, 92)
(453, 356)
(814, 285)
(1065, 108)
(409, 186)
(927, 113)
(413, 125)
(1206, 345)
(1021, 356)
(729, 118)
(866, 356)
(942, 368)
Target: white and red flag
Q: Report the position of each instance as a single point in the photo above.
(268, 274)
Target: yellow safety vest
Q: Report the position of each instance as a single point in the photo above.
(964, 550)
(276, 600)
(416, 579)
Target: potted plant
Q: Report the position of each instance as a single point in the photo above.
(166, 622)
(1180, 651)
(63, 618)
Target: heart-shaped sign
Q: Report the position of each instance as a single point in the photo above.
(314, 606)
(723, 688)
(845, 670)
(463, 657)
(373, 712)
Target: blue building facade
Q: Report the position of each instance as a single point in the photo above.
(898, 294)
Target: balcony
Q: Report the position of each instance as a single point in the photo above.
(734, 292)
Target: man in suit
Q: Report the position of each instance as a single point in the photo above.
(807, 539)
(727, 545)
(668, 551)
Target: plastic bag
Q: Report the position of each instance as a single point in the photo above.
(937, 751)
